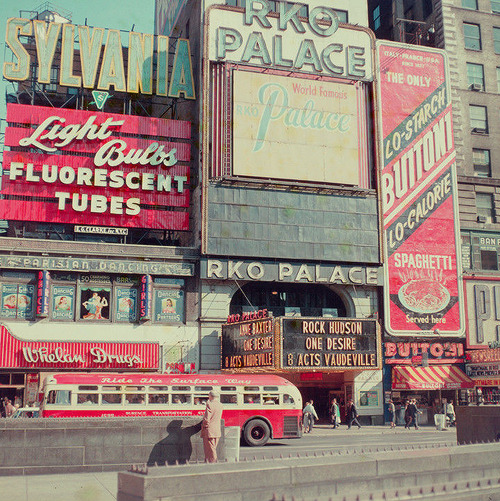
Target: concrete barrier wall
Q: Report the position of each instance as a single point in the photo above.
(478, 424)
(314, 477)
(31, 446)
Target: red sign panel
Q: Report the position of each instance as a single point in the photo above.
(18, 354)
(413, 353)
(419, 193)
(86, 167)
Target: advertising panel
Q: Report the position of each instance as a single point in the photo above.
(169, 305)
(419, 192)
(415, 353)
(95, 168)
(22, 354)
(290, 43)
(483, 312)
(63, 302)
(316, 343)
(282, 124)
(249, 344)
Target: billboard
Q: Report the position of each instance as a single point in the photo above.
(317, 45)
(95, 168)
(419, 192)
(249, 344)
(336, 344)
(483, 311)
(282, 124)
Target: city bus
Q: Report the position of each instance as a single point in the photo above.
(263, 406)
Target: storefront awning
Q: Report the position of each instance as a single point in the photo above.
(445, 377)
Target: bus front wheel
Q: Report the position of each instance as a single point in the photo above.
(256, 433)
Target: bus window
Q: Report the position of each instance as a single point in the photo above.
(135, 398)
(111, 398)
(228, 388)
(158, 398)
(251, 388)
(158, 388)
(200, 399)
(60, 397)
(252, 398)
(271, 399)
(87, 388)
(270, 388)
(87, 398)
(203, 388)
(111, 388)
(288, 399)
(181, 398)
(229, 399)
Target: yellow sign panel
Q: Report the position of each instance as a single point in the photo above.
(295, 129)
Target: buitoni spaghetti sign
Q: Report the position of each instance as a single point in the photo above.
(418, 190)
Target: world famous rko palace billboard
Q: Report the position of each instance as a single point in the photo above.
(89, 167)
(419, 192)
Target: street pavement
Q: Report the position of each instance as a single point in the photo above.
(103, 486)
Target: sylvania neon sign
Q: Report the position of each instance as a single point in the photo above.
(130, 72)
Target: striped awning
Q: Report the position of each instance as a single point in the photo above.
(445, 377)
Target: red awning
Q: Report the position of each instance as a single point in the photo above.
(445, 377)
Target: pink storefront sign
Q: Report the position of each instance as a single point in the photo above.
(18, 354)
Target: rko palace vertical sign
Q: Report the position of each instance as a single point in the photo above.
(419, 192)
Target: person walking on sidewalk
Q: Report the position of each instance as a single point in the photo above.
(411, 414)
(335, 413)
(392, 413)
(309, 414)
(352, 414)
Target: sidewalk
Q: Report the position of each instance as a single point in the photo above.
(64, 487)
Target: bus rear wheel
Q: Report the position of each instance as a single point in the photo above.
(256, 433)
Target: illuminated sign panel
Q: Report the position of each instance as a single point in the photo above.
(95, 168)
(419, 193)
(248, 344)
(289, 43)
(282, 124)
(98, 60)
(483, 308)
(318, 343)
(435, 353)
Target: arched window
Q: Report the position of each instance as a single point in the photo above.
(288, 299)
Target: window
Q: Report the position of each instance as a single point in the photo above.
(489, 260)
(376, 17)
(485, 207)
(478, 119)
(472, 36)
(495, 6)
(469, 4)
(482, 163)
(496, 40)
(475, 76)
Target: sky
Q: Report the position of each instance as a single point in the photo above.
(116, 14)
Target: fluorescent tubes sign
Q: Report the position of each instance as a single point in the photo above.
(419, 192)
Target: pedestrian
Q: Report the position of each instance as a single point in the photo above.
(307, 418)
(352, 414)
(408, 416)
(211, 427)
(392, 413)
(309, 415)
(450, 412)
(412, 412)
(9, 409)
(335, 413)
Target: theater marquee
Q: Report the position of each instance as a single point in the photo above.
(340, 344)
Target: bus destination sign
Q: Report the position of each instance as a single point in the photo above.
(330, 344)
(248, 344)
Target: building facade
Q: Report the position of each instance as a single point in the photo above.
(98, 247)
(468, 32)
